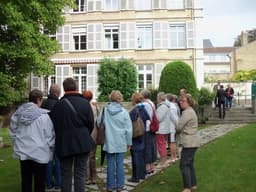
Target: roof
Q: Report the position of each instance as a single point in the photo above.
(219, 49)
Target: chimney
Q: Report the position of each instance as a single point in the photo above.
(244, 38)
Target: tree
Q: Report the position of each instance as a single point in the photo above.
(25, 45)
(177, 75)
(117, 75)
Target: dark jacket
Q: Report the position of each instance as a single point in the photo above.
(221, 95)
(138, 142)
(50, 102)
(73, 129)
(229, 92)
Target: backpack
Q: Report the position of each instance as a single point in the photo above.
(154, 123)
(138, 126)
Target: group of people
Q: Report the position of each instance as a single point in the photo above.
(223, 98)
(55, 139)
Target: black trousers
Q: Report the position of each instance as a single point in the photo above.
(187, 167)
(32, 170)
(222, 109)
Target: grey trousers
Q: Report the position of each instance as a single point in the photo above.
(66, 164)
(187, 167)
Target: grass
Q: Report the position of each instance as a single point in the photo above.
(227, 164)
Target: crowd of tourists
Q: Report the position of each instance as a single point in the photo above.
(55, 139)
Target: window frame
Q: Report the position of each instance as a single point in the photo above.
(144, 40)
(177, 35)
(79, 31)
(112, 40)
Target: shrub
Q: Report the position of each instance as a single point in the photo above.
(177, 75)
(117, 75)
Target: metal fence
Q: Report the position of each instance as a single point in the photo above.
(242, 100)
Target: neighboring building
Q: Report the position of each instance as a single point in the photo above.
(217, 61)
(244, 57)
(151, 32)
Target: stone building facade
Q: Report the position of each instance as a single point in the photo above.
(151, 32)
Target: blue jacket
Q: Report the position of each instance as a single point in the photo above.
(138, 143)
(118, 128)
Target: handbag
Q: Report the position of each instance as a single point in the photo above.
(100, 138)
(138, 125)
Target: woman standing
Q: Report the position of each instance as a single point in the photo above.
(91, 162)
(189, 140)
(138, 143)
(118, 138)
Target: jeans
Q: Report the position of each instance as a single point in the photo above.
(53, 178)
(187, 167)
(229, 102)
(29, 170)
(115, 170)
(138, 164)
(66, 165)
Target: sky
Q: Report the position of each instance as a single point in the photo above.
(225, 19)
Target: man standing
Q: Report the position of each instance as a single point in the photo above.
(53, 178)
(216, 87)
(72, 118)
(221, 95)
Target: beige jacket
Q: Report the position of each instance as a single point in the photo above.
(187, 135)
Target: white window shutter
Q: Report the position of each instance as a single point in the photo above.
(130, 4)
(98, 5)
(157, 73)
(190, 34)
(127, 35)
(163, 4)
(35, 82)
(63, 37)
(132, 35)
(92, 78)
(160, 35)
(90, 36)
(123, 36)
(94, 34)
(189, 4)
(98, 36)
(61, 73)
(156, 4)
(123, 5)
(90, 6)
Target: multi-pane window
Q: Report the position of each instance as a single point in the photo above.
(176, 4)
(79, 74)
(80, 6)
(79, 38)
(111, 37)
(143, 4)
(177, 36)
(111, 5)
(144, 36)
(145, 76)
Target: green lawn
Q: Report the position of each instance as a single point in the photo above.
(225, 165)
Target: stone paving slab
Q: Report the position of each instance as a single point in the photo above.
(207, 135)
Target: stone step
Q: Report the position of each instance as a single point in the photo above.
(236, 115)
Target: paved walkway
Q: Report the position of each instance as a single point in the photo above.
(207, 135)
